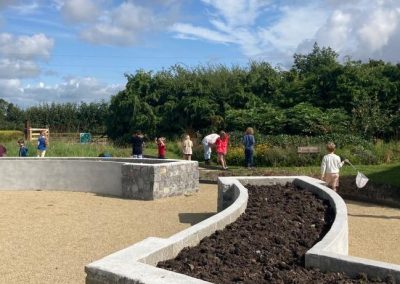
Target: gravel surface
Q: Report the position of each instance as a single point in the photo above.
(48, 237)
(374, 231)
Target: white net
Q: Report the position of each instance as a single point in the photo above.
(361, 180)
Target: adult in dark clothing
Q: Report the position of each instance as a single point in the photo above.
(137, 145)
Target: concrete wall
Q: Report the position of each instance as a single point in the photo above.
(135, 264)
(130, 178)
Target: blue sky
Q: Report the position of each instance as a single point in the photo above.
(79, 50)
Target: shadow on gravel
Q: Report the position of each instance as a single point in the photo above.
(375, 216)
(194, 218)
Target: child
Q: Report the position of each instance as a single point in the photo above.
(3, 151)
(137, 145)
(187, 145)
(222, 148)
(23, 151)
(330, 167)
(248, 143)
(160, 141)
(42, 144)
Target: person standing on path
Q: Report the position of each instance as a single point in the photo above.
(330, 167)
(187, 146)
(137, 145)
(42, 144)
(248, 143)
(208, 142)
(222, 148)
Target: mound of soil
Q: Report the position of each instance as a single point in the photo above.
(266, 244)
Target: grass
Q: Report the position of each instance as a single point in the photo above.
(383, 173)
(68, 149)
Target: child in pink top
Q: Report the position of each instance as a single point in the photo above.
(222, 148)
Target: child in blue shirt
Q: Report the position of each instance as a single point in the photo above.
(23, 151)
(248, 143)
(42, 144)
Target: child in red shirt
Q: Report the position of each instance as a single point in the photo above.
(160, 141)
(222, 148)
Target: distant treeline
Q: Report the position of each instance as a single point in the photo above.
(67, 117)
(317, 96)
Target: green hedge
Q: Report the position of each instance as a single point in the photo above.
(9, 135)
(281, 150)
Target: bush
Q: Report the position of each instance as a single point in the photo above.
(10, 135)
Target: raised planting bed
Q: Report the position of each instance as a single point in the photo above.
(267, 244)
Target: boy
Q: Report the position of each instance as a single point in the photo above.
(330, 167)
(42, 144)
(23, 151)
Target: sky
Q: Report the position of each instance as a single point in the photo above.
(79, 50)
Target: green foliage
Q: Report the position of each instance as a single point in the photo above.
(10, 135)
(317, 96)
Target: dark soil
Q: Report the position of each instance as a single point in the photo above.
(266, 244)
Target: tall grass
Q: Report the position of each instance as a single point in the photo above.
(70, 149)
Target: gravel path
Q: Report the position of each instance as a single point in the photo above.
(48, 237)
(374, 231)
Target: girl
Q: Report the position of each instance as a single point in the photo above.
(222, 148)
(187, 145)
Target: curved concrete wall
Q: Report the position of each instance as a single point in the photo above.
(131, 178)
(135, 264)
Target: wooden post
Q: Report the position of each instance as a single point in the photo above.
(27, 125)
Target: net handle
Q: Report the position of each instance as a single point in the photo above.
(352, 166)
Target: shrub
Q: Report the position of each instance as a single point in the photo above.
(9, 135)
(235, 156)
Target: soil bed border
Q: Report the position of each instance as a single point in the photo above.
(135, 264)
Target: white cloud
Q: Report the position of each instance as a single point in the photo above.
(25, 47)
(72, 89)
(12, 69)
(376, 32)
(293, 27)
(191, 32)
(80, 10)
(239, 12)
(277, 29)
(122, 26)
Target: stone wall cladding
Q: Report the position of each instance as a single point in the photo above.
(148, 182)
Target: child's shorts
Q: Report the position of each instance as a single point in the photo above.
(332, 180)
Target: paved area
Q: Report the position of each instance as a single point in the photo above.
(48, 237)
(374, 231)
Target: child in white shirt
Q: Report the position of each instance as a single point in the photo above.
(330, 167)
